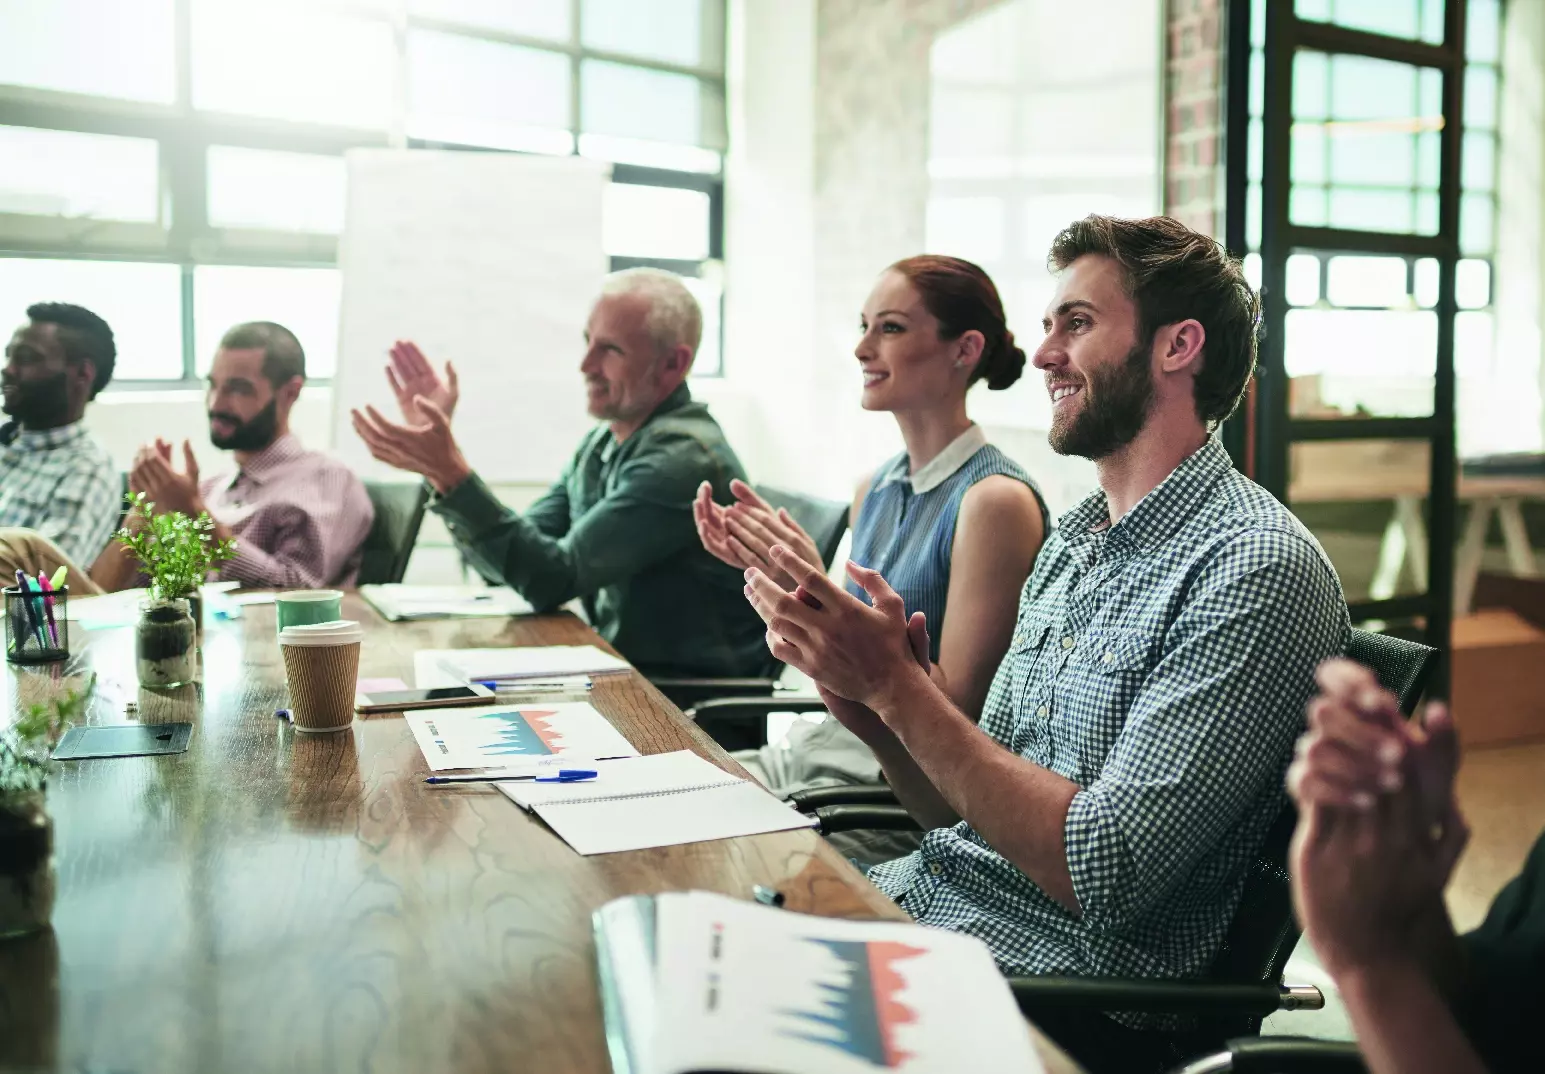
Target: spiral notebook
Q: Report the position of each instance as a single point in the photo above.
(657, 801)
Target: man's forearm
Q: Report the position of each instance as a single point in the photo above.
(913, 788)
(1018, 807)
(1403, 1024)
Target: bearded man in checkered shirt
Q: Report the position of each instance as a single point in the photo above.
(57, 483)
(1101, 819)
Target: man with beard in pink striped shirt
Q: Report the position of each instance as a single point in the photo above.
(299, 517)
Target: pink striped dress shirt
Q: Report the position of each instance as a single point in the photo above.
(300, 518)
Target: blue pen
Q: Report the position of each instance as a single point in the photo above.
(570, 775)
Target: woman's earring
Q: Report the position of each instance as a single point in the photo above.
(960, 363)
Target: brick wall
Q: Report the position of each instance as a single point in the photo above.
(1193, 116)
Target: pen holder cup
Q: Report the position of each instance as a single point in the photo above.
(37, 628)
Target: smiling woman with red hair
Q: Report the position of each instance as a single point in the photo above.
(951, 522)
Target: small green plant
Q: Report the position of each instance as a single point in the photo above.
(25, 745)
(176, 551)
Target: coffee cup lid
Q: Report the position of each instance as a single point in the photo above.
(309, 594)
(337, 632)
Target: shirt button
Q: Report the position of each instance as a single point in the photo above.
(1110, 658)
(1019, 639)
(935, 868)
(1041, 711)
(1067, 642)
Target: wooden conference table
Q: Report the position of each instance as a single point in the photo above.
(270, 901)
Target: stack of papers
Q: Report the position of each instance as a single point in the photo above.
(397, 602)
(546, 662)
(693, 981)
(514, 738)
(658, 801)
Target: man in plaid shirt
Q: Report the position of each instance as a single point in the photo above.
(1102, 818)
(55, 479)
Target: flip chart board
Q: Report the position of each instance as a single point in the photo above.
(492, 260)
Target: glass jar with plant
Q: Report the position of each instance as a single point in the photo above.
(26, 829)
(177, 553)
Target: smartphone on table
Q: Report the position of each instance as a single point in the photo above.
(432, 697)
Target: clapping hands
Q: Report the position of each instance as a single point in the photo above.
(743, 534)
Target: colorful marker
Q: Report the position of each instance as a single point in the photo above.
(48, 607)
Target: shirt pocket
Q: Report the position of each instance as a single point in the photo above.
(1025, 655)
(1106, 681)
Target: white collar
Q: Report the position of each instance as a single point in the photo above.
(942, 466)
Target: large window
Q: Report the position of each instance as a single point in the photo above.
(177, 165)
(1360, 337)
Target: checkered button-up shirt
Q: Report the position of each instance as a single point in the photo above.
(63, 484)
(1162, 664)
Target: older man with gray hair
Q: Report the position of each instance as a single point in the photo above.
(616, 528)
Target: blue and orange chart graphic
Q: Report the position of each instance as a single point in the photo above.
(857, 1008)
(522, 732)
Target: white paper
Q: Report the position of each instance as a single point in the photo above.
(657, 801)
(750, 988)
(529, 662)
(398, 602)
(508, 736)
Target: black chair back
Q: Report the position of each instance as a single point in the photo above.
(825, 520)
(399, 507)
(1263, 933)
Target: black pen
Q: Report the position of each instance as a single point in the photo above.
(766, 896)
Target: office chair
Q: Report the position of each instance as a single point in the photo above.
(825, 521)
(1243, 984)
(1280, 1055)
(399, 511)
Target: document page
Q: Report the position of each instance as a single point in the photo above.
(743, 987)
(656, 801)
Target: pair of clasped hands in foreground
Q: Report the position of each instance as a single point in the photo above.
(856, 653)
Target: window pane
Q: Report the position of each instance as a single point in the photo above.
(1363, 362)
(257, 188)
(1477, 227)
(972, 227)
(62, 173)
(1424, 285)
(669, 30)
(710, 296)
(1480, 97)
(292, 64)
(1472, 284)
(634, 102)
(473, 92)
(141, 303)
(1366, 281)
(1393, 18)
(304, 300)
(653, 221)
(1478, 161)
(1308, 153)
(1302, 285)
(531, 18)
(119, 49)
(1483, 31)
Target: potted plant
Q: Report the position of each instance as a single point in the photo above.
(177, 553)
(26, 829)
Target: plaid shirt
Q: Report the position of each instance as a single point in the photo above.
(63, 484)
(300, 518)
(1162, 664)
